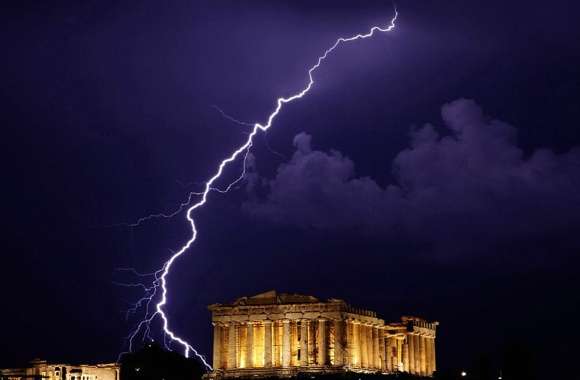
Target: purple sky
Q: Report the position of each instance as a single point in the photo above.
(431, 171)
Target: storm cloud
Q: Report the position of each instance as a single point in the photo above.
(468, 181)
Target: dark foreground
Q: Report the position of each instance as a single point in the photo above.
(154, 363)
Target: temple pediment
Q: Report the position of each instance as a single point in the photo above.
(272, 297)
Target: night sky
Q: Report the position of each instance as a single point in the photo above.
(432, 171)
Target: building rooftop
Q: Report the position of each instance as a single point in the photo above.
(272, 297)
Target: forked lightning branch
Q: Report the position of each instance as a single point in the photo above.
(158, 291)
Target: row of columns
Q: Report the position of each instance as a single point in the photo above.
(273, 343)
(420, 357)
(365, 345)
(290, 343)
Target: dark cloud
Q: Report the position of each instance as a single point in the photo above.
(468, 183)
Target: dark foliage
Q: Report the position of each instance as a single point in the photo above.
(349, 376)
(154, 363)
(519, 362)
(358, 376)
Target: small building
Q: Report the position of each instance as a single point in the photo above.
(41, 369)
(274, 334)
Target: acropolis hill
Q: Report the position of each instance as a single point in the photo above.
(277, 334)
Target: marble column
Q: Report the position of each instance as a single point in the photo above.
(405, 356)
(423, 355)
(396, 353)
(428, 355)
(276, 345)
(370, 347)
(321, 343)
(268, 344)
(232, 354)
(433, 355)
(351, 356)
(286, 344)
(304, 343)
(376, 352)
(338, 342)
(364, 346)
(295, 343)
(359, 342)
(217, 346)
(382, 351)
(249, 345)
(389, 354)
(311, 342)
(356, 345)
(417, 355)
(411, 344)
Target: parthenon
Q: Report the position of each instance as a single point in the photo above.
(277, 334)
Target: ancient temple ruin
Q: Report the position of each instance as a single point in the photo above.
(41, 369)
(274, 334)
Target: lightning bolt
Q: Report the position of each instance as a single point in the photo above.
(160, 282)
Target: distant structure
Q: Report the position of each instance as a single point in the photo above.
(273, 334)
(40, 369)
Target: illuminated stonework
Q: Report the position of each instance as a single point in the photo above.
(273, 334)
(40, 369)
